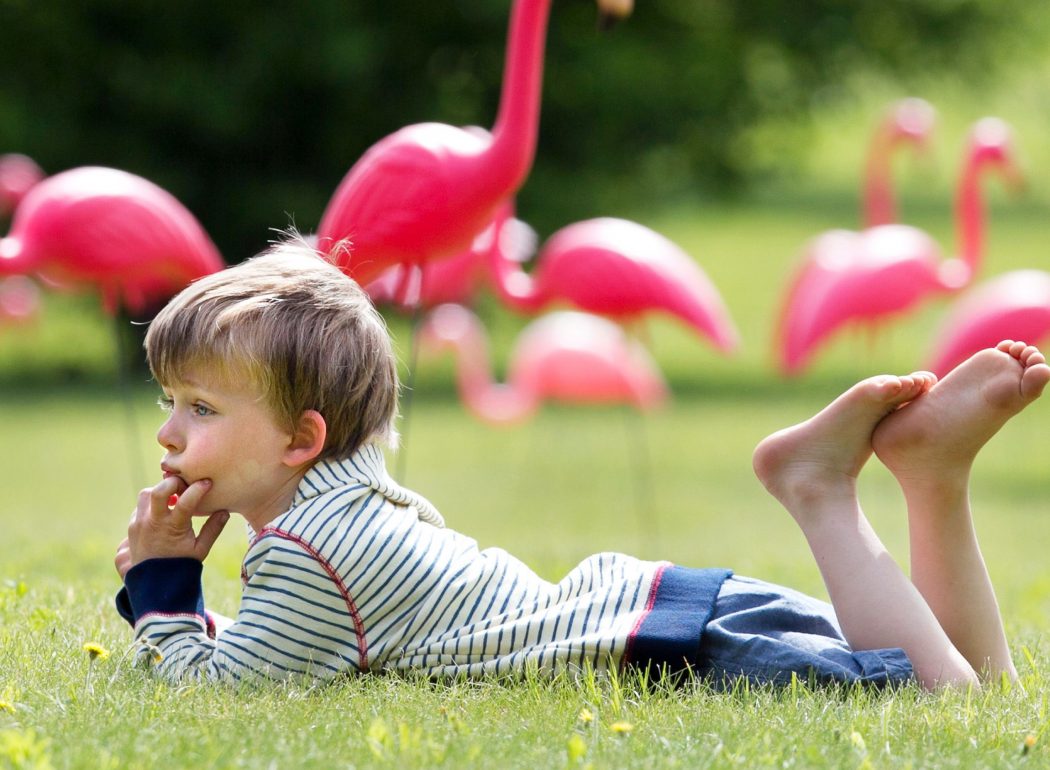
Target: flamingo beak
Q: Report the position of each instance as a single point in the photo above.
(1014, 179)
(612, 11)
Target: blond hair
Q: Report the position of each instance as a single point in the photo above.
(293, 325)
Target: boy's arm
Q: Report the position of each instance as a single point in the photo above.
(295, 618)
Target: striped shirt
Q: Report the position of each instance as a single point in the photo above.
(360, 574)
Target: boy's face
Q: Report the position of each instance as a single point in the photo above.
(227, 434)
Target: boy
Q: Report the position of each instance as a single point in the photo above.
(279, 380)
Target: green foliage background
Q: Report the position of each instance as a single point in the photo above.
(250, 113)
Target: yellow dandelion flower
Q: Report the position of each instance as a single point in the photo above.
(8, 707)
(586, 716)
(1029, 743)
(576, 749)
(621, 728)
(96, 651)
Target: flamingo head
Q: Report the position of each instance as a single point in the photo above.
(991, 143)
(13, 260)
(450, 326)
(19, 298)
(612, 11)
(912, 120)
(18, 174)
(954, 274)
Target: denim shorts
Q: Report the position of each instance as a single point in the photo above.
(766, 632)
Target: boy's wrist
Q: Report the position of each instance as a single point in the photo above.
(170, 586)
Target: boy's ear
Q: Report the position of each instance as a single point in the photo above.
(307, 440)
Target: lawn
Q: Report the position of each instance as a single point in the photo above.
(76, 449)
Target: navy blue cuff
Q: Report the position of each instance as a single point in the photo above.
(124, 606)
(669, 635)
(169, 586)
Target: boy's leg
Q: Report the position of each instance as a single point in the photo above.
(929, 446)
(812, 470)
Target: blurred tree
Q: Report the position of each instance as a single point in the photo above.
(250, 113)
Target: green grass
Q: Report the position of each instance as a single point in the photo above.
(70, 471)
(552, 491)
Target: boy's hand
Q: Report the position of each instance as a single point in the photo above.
(159, 531)
(122, 561)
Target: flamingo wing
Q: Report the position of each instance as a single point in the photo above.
(813, 307)
(398, 202)
(847, 276)
(622, 269)
(580, 358)
(1015, 306)
(115, 230)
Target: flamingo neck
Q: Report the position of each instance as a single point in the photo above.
(513, 285)
(517, 121)
(969, 216)
(488, 400)
(879, 207)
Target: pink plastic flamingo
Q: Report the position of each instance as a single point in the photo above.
(909, 120)
(18, 175)
(19, 295)
(19, 300)
(565, 356)
(1015, 306)
(119, 232)
(456, 279)
(621, 270)
(864, 277)
(427, 190)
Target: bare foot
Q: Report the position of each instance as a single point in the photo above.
(936, 438)
(809, 465)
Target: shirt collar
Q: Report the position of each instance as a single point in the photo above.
(366, 468)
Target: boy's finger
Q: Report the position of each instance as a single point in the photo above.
(162, 492)
(209, 533)
(189, 500)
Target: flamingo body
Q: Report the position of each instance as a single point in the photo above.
(850, 276)
(886, 270)
(566, 356)
(619, 269)
(427, 190)
(412, 197)
(1014, 306)
(111, 229)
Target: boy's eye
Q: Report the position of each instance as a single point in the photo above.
(166, 403)
(200, 410)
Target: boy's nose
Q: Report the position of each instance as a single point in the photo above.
(167, 435)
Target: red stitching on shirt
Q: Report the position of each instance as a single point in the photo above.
(172, 615)
(645, 613)
(359, 626)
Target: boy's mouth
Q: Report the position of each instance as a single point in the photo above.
(168, 472)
